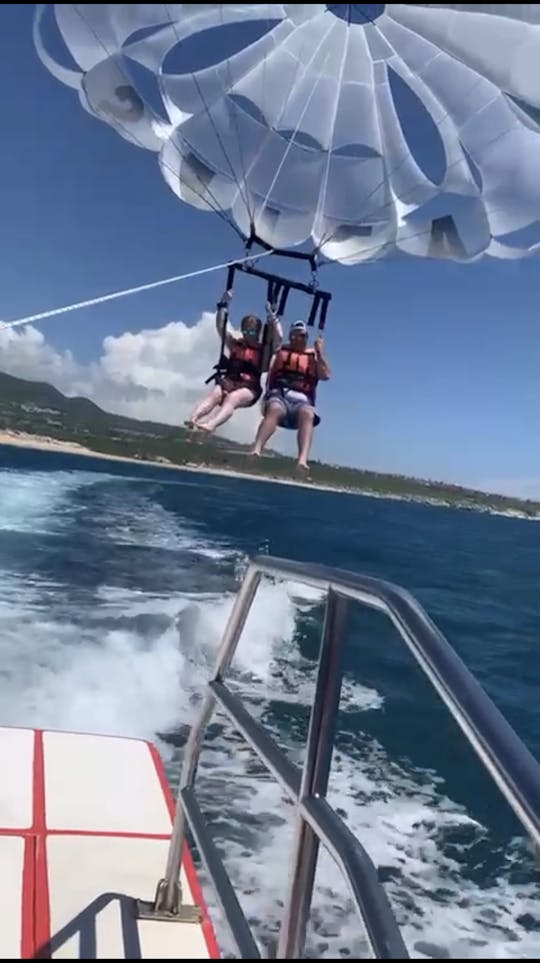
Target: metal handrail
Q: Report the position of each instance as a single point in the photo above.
(508, 761)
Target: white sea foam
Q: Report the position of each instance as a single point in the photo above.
(34, 501)
(135, 664)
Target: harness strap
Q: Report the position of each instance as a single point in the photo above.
(278, 290)
(314, 310)
(220, 368)
(280, 287)
(283, 301)
(324, 311)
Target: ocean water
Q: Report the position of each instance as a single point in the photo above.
(115, 583)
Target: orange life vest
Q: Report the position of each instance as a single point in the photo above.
(244, 363)
(295, 370)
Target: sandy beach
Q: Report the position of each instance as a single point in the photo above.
(21, 439)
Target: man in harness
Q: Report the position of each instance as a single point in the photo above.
(291, 391)
(238, 373)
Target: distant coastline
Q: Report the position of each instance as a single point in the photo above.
(22, 439)
(35, 414)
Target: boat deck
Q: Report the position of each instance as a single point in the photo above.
(85, 822)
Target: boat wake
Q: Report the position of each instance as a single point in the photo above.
(111, 611)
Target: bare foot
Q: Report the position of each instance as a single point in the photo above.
(303, 466)
(255, 452)
(207, 428)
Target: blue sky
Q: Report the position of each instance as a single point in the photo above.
(435, 365)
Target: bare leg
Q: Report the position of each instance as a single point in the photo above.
(235, 399)
(267, 427)
(205, 406)
(305, 435)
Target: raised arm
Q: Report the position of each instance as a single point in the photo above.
(323, 368)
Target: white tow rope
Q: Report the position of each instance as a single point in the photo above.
(122, 294)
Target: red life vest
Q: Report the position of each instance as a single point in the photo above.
(244, 363)
(295, 370)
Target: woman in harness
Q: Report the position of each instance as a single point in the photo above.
(291, 391)
(238, 373)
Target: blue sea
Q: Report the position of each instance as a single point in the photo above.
(115, 584)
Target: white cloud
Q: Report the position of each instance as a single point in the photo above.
(157, 373)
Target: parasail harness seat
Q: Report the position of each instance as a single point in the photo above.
(278, 290)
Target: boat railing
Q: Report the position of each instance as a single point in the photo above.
(513, 768)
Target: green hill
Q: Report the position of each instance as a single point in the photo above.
(39, 408)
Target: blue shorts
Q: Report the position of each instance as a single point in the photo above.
(291, 408)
